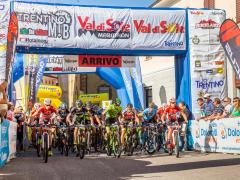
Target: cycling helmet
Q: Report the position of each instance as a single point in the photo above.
(79, 103)
(37, 106)
(63, 106)
(96, 108)
(88, 104)
(117, 101)
(47, 102)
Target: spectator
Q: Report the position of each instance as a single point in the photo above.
(208, 105)
(236, 107)
(218, 110)
(228, 108)
(200, 102)
(10, 112)
(3, 101)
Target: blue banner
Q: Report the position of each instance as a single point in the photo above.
(4, 142)
(126, 75)
(40, 70)
(137, 81)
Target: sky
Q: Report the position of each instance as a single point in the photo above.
(126, 3)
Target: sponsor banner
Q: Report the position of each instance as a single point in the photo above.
(100, 61)
(46, 91)
(128, 61)
(50, 26)
(94, 98)
(106, 104)
(12, 139)
(126, 75)
(137, 80)
(4, 142)
(230, 41)
(216, 136)
(207, 57)
(4, 22)
(160, 30)
(40, 70)
(54, 63)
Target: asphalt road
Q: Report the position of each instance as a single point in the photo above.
(191, 165)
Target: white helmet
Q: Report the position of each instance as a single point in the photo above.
(47, 102)
(37, 105)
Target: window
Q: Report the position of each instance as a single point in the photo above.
(210, 4)
(148, 95)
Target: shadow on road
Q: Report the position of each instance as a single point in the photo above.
(61, 168)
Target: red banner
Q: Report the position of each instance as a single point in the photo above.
(99, 61)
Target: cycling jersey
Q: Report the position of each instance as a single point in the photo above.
(46, 113)
(172, 113)
(129, 115)
(149, 116)
(113, 111)
(63, 113)
(78, 111)
(160, 112)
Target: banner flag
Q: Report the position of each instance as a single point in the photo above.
(40, 70)
(128, 83)
(137, 80)
(230, 40)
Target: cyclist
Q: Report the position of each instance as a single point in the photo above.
(19, 118)
(45, 114)
(149, 115)
(112, 114)
(63, 113)
(77, 116)
(161, 111)
(172, 113)
(129, 118)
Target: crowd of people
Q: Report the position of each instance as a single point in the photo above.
(213, 109)
(210, 109)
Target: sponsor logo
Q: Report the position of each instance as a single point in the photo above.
(205, 84)
(163, 27)
(195, 40)
(219, 62)
(197, 63)
(211, 131)
(197, 12)
(173, 44)
(100, 61)
(36, 32)
(33, 40)
(110, 29)
(207, 24)
(218, 55)
(58, 24)
(218, 13)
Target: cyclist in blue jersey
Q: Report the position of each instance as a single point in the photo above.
(150, 114)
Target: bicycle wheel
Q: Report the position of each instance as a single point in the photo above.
(117, 150)
(88, 141)
(130, 147)
(177, 144)
(81, 147)
(109, 147)
(45, 148)
(151, 143)
(38, 145)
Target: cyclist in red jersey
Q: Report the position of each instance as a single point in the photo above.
(160, 111)
(172, 113)
(45, 113)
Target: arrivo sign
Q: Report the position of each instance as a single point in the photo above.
(100, 61)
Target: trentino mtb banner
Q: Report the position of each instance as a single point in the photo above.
(207, 57)
(50, 26)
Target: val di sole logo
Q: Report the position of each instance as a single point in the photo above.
(195, 40)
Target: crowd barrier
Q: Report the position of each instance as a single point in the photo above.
(8, 139)
(221, 135)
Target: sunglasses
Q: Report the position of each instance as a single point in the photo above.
(235, 101)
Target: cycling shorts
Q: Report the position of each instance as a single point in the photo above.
(110, 121)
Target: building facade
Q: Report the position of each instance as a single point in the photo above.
(159, 72)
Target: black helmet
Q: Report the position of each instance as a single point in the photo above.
(79, 103)
(63, 106)
(129, 105)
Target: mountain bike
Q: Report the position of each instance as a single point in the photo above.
(131, 140)
(176, 136)
(114, 141)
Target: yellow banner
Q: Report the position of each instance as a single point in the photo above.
(47, 91)
(94, 98)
